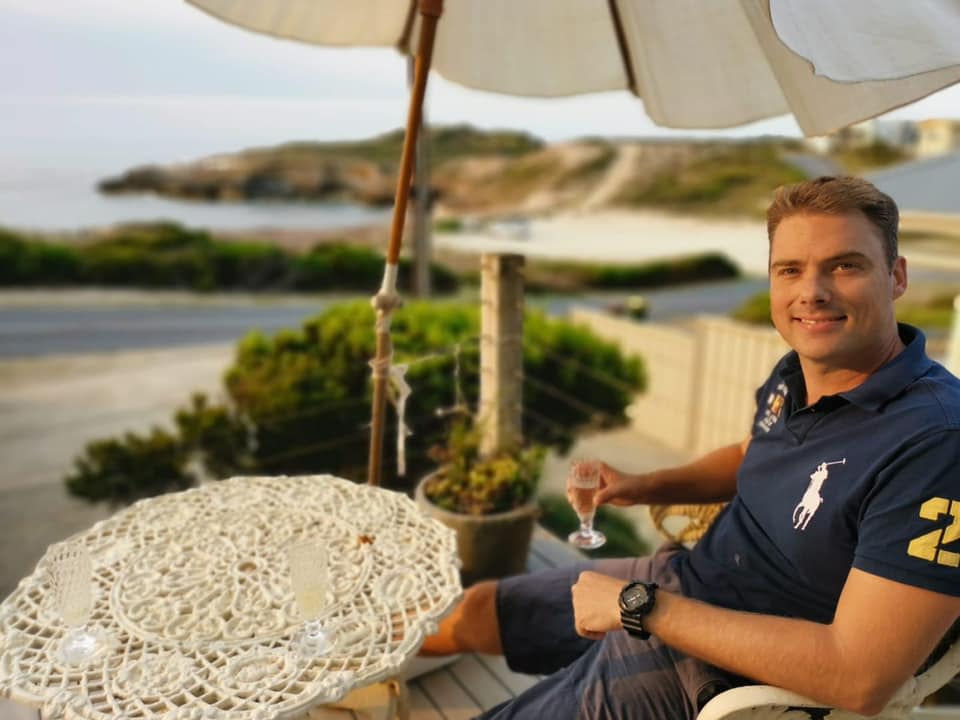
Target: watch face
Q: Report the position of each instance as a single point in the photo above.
(634, 597)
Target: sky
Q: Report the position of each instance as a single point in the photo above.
(114, 81)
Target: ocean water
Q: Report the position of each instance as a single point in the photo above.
(65, 198)
(53, 152)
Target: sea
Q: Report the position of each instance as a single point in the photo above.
(53, 154)
(65, 198)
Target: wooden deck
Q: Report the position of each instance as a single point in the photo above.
(478, 682)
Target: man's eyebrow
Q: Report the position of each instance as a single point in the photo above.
(852, 255)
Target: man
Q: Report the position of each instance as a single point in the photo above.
(833, 571)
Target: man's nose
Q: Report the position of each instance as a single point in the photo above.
(814, 288)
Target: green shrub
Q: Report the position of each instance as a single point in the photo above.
(122, 470)
(33, 262)
(304, 395)
(754, 310)
(559, 518)
(166, 255)
(448, 225)
(219, 438)
(570, 276)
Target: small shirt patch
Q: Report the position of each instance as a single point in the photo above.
(775, 403)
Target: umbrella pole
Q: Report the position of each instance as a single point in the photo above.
(387, 299)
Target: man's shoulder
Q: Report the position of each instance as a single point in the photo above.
(935, 396)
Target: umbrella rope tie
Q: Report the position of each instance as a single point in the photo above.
(400, 391)
(386, 300)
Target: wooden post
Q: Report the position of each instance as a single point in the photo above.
(501, 353)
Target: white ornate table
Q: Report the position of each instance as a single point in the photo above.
(194, 588)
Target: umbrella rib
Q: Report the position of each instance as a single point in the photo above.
(622, 43)
(403, 44)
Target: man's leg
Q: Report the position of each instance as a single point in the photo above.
(471, 627)
(527, 618)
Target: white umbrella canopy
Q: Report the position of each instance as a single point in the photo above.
(693, 63)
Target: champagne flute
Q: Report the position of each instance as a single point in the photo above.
(309, 576)
(583, 482)
(71, 572)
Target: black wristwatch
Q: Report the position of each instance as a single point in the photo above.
(636, 601)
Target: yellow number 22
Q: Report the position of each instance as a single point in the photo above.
(929, 545)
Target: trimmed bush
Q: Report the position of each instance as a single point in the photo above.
(122, 470)
(31, 262)
(300, 400)
(166, 255)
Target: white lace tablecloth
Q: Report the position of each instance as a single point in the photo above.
(194, 588)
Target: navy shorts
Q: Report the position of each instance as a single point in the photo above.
(620, 676)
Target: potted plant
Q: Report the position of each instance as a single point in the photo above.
(489, 501)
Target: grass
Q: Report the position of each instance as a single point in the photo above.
(558, 276)
(733, 180)
(872, 157)
(446, 143)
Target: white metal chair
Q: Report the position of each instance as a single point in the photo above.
(685, 524)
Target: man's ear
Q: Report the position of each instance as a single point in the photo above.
(899, 276)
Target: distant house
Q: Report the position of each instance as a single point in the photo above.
(937, 137)
(902, 134)
(926, 186)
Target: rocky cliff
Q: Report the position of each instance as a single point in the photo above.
(481, 173)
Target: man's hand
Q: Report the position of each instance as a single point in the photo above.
(619, 488)
(596, 606)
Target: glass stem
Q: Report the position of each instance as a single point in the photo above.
(313, 629)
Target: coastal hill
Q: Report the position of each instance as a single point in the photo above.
(494, 173)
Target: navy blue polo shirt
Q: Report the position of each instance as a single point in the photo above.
(868, 478)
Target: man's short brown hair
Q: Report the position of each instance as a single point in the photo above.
(838, 195)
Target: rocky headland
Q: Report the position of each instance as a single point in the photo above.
(490, 173)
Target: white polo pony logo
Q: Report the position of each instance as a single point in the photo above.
(812, 499)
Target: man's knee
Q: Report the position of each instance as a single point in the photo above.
(477, 626)
(472, 626)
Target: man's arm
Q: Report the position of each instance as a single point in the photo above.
(711, 478)
(881, 633)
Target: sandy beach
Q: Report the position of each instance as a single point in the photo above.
(622, 236)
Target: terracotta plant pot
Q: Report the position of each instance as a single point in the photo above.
(490, 546)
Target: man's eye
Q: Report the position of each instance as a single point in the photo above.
(847, 266)
(786, 271)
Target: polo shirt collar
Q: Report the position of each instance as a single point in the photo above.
(883, 385)
(891, 379)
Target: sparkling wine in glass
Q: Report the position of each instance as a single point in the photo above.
(309, 576)
(71, 572)
(583, 482)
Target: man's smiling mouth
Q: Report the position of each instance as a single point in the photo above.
(815, 322)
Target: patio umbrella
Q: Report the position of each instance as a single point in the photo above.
(694, 64)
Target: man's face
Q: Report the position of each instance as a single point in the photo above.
(832, 291)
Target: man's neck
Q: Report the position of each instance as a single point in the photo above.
(822, 380)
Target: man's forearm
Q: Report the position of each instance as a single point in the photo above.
(710, 478)
(796, 654)
(857, 662)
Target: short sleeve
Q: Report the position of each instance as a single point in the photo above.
(909, 528)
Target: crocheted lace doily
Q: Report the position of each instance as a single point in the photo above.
(194, 589)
